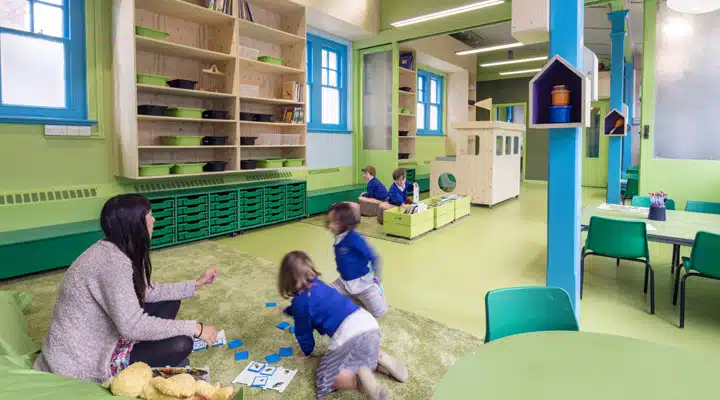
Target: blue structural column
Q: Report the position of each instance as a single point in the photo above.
(617, 78)
(564, 162)
(629, 99)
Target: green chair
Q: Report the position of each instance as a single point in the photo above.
(704, 261)
(512, 311)
(707, 207)
(631, 189)
(644, 201)
(634, 170)
(622, 240)
(627, 175)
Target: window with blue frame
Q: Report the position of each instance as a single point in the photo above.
(42, 60)
(326, 85)
(430, 95)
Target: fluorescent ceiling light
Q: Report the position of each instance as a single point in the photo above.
(523, 71)
(677, 27)
(693, 6)
(491, 48)
(447, 13)
(518, 61)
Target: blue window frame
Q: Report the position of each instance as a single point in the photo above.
(43, 62)
(429, 114)
(326, 85)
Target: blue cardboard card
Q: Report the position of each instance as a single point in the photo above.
(259, 381)
(268, 371)
(285, 351)
(272, 358)
(292, 329)
(241, 355)
(283, 325)
(256, 367)
(235, 344)
(271, 304)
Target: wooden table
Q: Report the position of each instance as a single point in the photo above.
(580, 365)
(679, 229)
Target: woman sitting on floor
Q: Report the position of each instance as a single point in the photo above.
(109, 314)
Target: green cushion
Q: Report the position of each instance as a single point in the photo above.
(14, 339)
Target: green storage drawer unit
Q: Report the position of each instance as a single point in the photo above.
(443, 214)
(274, 190)
(224, 229)
(192, 226)
(251, 215)
(192, 200)
(223, 220)
(274, 197)
(244, 193)
(274, 218)
(294, 202)
(159, 241)
(168, 230)
(222, 213)
(159, 223)
(251, 201)
(294, 207)
(161, 204)
(224, 205)
(167, 213)
(397, 223)
(410, 174)
(191, 210)
(462, 207)
(252, 207)
(222, 197)
(252, 223)
(295, 214)
(193, 235)
(184, 219)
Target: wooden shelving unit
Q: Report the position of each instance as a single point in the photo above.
(407, 99)
(200, 38)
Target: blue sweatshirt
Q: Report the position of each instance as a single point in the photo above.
(376, 190)
(397, 196)
(353, 255)
(320, 308)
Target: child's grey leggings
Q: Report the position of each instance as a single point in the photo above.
(372, 298)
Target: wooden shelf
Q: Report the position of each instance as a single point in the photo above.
(262, 67)
(407, 71)
(232, 171)
(407, 115)
(177, 119)
(266, 33)
(269, 123)
(280, 6)
(267, 100)
(407, 93)
(185, 147)
(183, 92)
(272, 146)
(406, 137)
(179, 50)
(184, 10)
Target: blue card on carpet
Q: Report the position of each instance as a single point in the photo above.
(285, 351)
(235, 344)
(271, 304)
(283, 325)
(272, 358)
(241, 355)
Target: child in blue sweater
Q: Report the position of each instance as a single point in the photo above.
(354, 257)
(374, 195)
(400, 189)
(354, 350)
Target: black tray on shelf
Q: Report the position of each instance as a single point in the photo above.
(215, 166)
(248, 164)
(214, 140)
(403, 156)
(215, 114)
(182, 84)
(403, 133)
(246, 116)
(263, 117)
(150, 109)
(248, 140)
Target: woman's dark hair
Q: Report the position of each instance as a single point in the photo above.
(296, 273)
(345, 214)
(123, 221)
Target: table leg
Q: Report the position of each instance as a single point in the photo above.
(675, 257)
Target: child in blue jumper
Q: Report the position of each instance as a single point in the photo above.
(354, 257)
(400, 188)
(375, 194)
(354, 350)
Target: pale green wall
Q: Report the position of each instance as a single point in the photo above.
(682, 180)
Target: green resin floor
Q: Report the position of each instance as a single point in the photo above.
(445, 277)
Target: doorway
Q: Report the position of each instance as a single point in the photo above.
(595, 148)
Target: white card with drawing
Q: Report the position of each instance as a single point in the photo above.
(281, 379)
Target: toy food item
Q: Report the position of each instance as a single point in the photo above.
(130, 381)
(182, 385)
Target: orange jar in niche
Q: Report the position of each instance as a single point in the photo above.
(560, 95)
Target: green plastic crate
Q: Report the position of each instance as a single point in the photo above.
(295, 214)
(160, 223)
(150, 79)
(221, 213)
(272, 163)
(164, 231)
(187, 168)
(181, 140)
(462, 207)
(397, 223)
(224, 220)
(192, 200)
(158, 205)
(184, 219)
(443, 214)
(194, 235)
(192, 226)
(294, 201)
(167, 213)
(224, 205)
(151, 33)
(271, 60)
(161, 240)
(251, 215)
(274, 197)
(191, 210)
(249, 223)
(293, 162)
(217, 197)
(184, 112)
(155, 169)
(253, 201)
(228, 228)
(294, 207)
(274, 190)
(251, 193)
(254, 207)
(274, 218)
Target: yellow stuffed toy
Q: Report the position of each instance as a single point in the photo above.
(136, 381)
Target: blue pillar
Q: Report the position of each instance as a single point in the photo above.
(617, 77)
(564, 163)
(629, 99)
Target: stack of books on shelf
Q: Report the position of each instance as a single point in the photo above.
(223, 6)
(293, 115)
(291, 90)
(245, 11)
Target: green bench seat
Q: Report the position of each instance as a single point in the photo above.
(318, 201)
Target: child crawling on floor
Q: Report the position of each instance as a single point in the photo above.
(354, 258)
(354, 350)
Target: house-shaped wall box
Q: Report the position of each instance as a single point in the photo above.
(558, 71)
(616, 122)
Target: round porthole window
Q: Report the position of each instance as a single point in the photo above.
(447, 182)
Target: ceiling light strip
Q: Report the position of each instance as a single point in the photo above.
(447, 13)
(491, 48)
(518, 61)
(523, 71)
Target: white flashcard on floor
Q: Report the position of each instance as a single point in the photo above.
(281, 379)
(247, 376)
(278, 381)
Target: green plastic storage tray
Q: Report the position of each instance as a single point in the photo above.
(155, 169)
(192, 218)
(254, 207)
(161, 204)
(161, 240)
(229, 228)
(184, 112)
(164, 231)
(154, 80)
(271, 163)
(295, 214)
(181, 140)
(274, 190)
(405, 111)
(151, 33)
(274, 218)
(160, 223)
(192, 227)
(274, 197)
(253, 200)
(187, 168)
(192, 200)
(191, 210)
(249, 223)
(223, 196)
(294, 201)
(274, 210)
(251, 192)
(221, 213)
(224, 205)
(295, 207)
(223, 221)
(199, 234)
(167, 213)
(251, 215)
(271, 60)
(293, 162)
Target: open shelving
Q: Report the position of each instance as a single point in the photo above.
(202, 40)
(407, 78)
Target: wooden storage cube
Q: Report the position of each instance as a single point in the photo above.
(442, 214)
(462, 207)
(397, 223)
(216, 36)
(272, 43)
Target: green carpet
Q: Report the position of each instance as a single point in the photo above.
(236, 303)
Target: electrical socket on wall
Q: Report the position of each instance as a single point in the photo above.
(62, 130)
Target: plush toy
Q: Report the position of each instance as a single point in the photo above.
(136, 381)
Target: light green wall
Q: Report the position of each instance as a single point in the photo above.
(682, 180)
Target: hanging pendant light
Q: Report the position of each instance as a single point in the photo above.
(694, 6)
